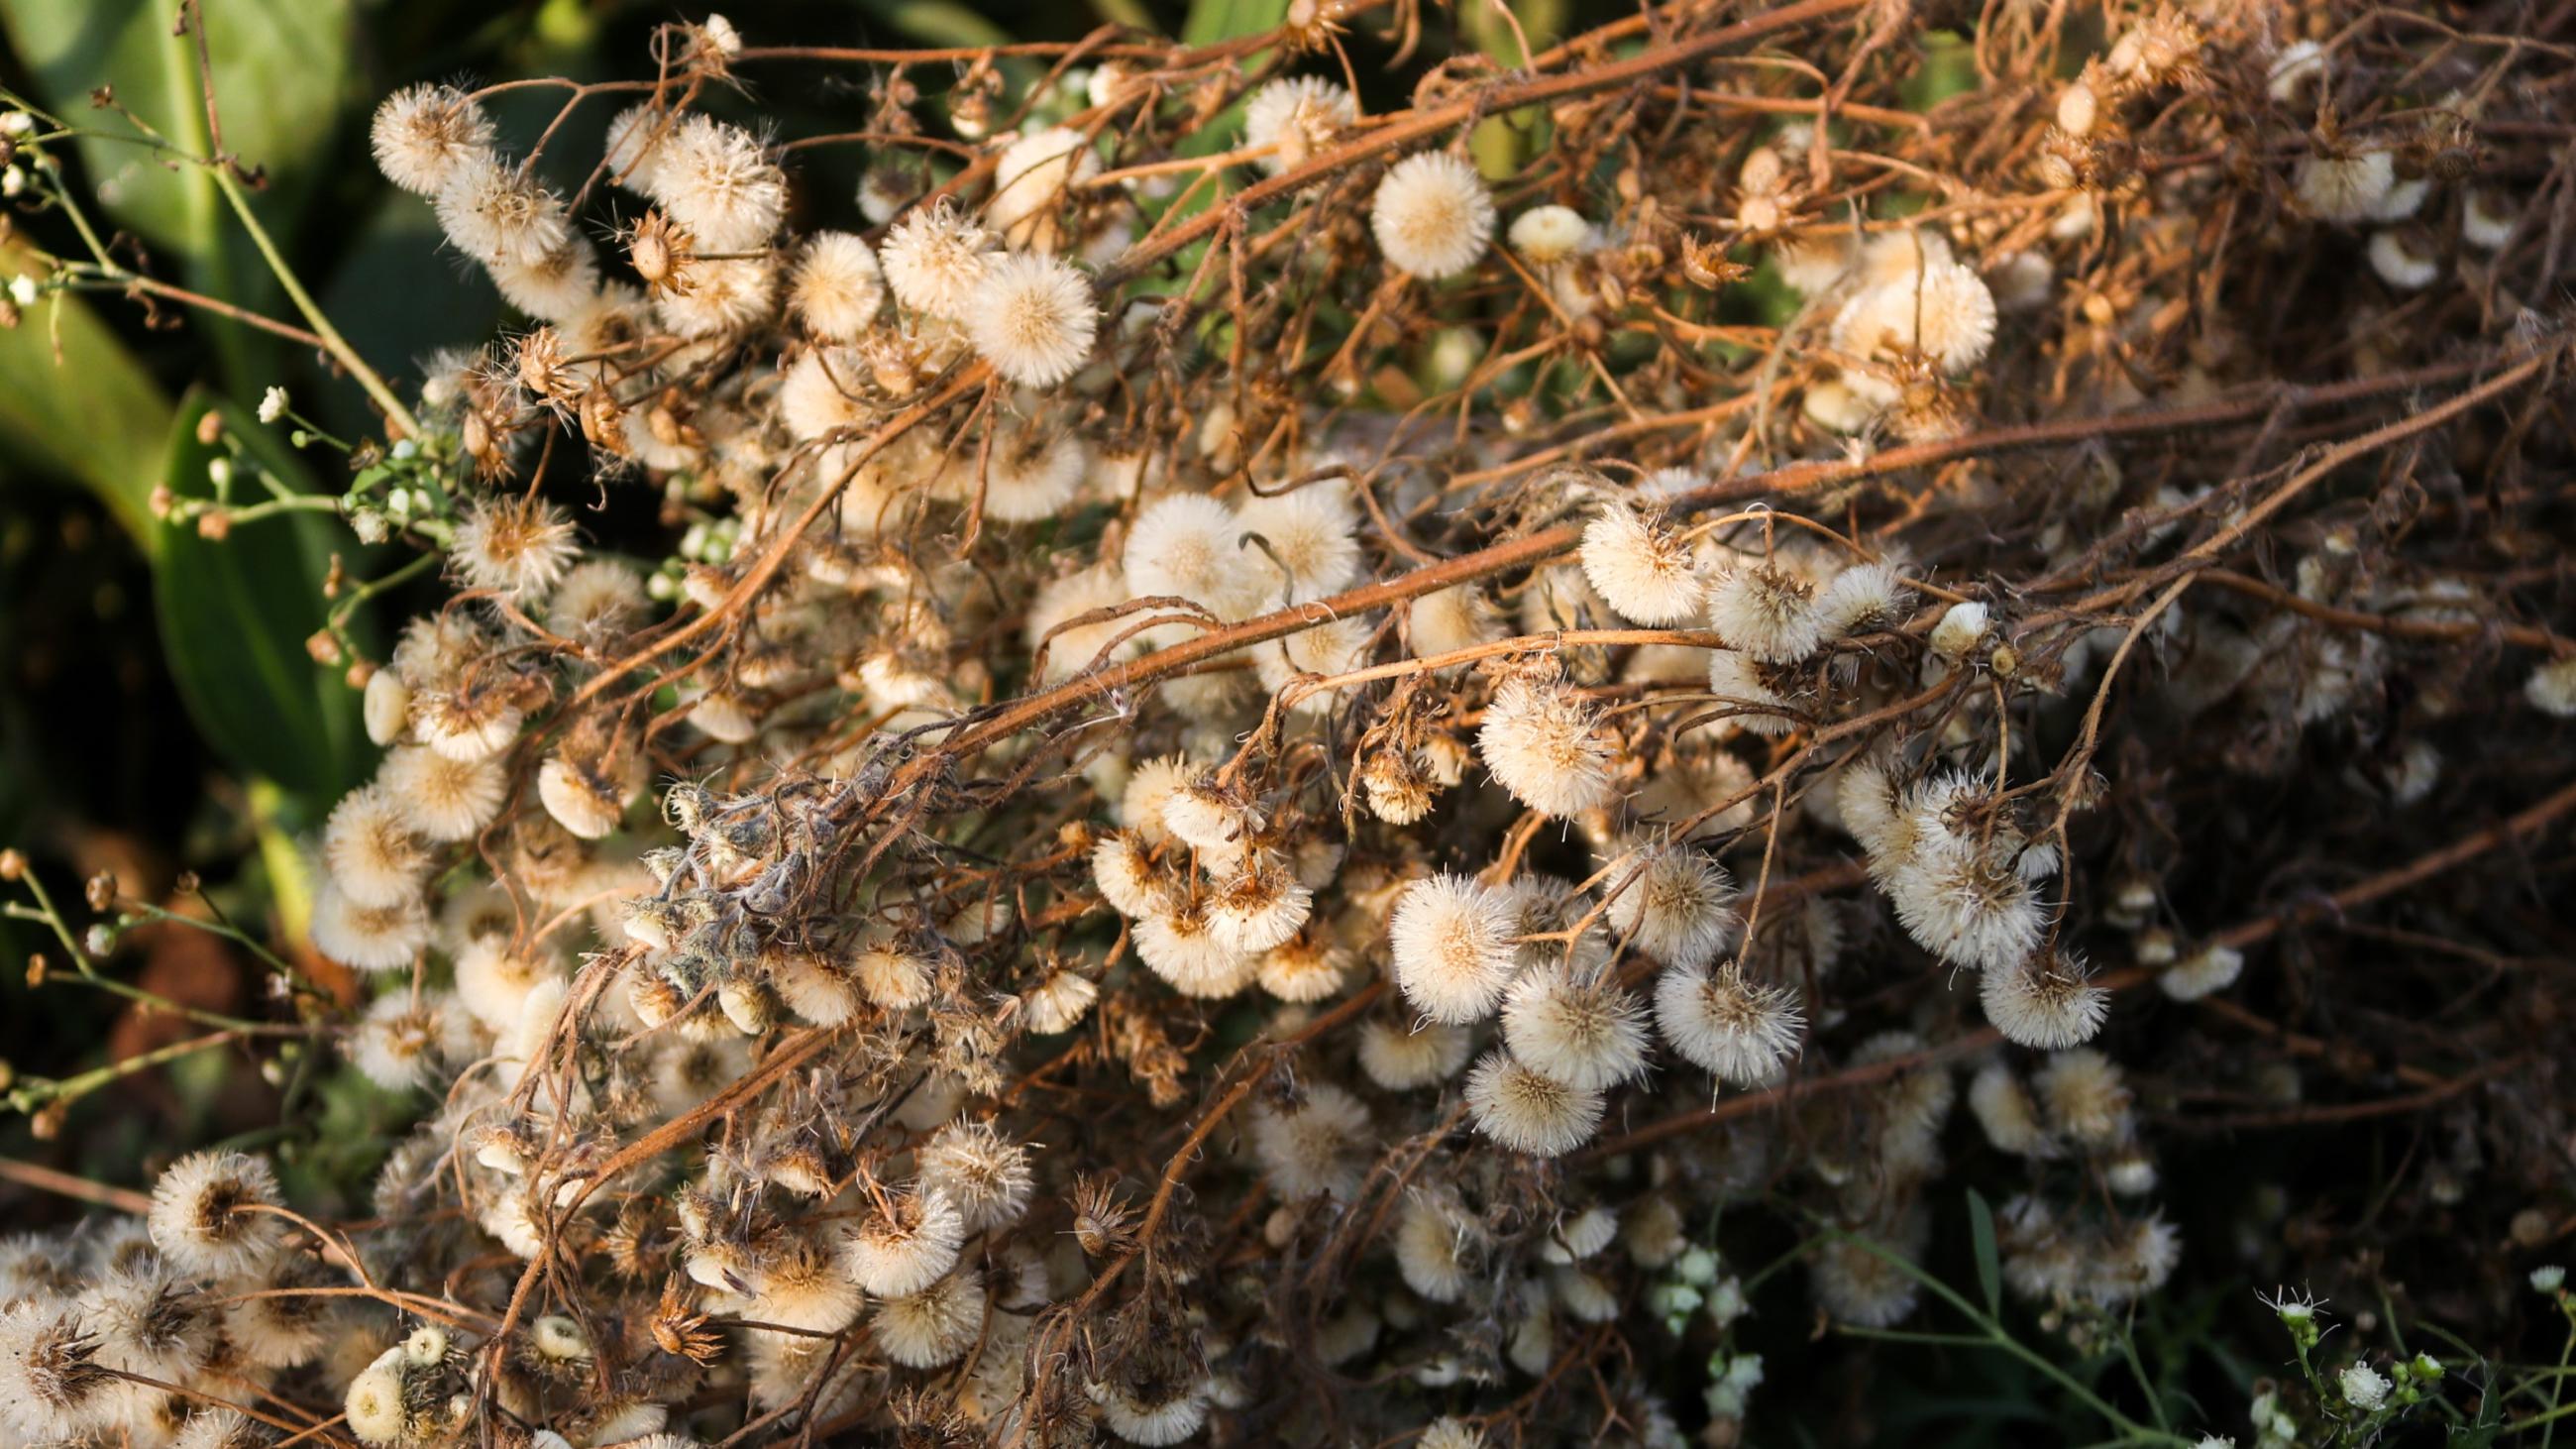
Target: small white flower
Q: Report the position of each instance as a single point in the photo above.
(2363, 1387)
(2548, 1278)
(22, 290)
(272, 405)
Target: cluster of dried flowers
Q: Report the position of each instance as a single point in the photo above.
(1204, 740)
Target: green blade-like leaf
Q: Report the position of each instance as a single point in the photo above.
(280, 68)
(88, 412)
(235, 616)
(1990, 1277)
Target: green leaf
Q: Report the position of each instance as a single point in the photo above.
(939, 22)
(1981, 1227)
(235, 616)
(1213, 20)
(76, 404)
(279, 68)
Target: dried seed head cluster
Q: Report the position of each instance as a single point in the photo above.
(1168, 759)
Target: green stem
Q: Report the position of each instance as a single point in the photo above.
(38, 1092)
(341, 351)
(1995, 1335)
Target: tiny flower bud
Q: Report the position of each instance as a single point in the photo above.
(100, 890)
(99, 940)
(210, 426)
(272, 405)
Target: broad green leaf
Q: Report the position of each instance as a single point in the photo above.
(1213, 20)
(76, 404)
(236, 615)
(279, 70)
(1981, 1228)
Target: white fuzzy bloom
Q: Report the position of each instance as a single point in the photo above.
(1645, 570)
(2487, 220)
(2552, 687)
(2084, 1096)
(935, 260)
(1584, 1031)
(518, 548)
(985, 1173)
(1447, 620)
(496, 215)
(1767, 611)
(1546, 235)
(837, 287)
(424, 133)
(1318, 1146)
(1450, 938)
(2344, 188)
(1436, 1244)
(1960, 628)
(2363, 1387)
(443, 799)
(205, 1216)
(717, 181)
(1031, 180)
(1181, 945)
(2402, 262)
(370, 850)
(2047, 1003)
(1945, 312)
(935, 1326)
(1031, 475)
(1678, 906)
(1862, 599)
(1736, 679)
(1032, 317)
(368, 938)
(1308, 532)
(1183, 545)
(899, 1253)
(1543, 744)
(1433, 216)
(2003, 1108)
(1735, 1029)
(1526, 1110)
(1073, 648)
(2207, 970)
(1297, 116)
(1400, 1059)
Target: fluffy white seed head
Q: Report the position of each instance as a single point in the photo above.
(1643, 568)
(1527, 1111)
(1432, 215)
(2404, 259)
(836, 288)
(2552, 688)
(717, 181)
(1296, 116)
(899, 1252)
(1945, 313)
(515, 547)
(1032, 180)
(1450, 938)
(370, 850)
(442, 799)
(935, 259)
(205, 1216)
(1318, 1146)
(2344, 188)
(1678, 907)
(1961, 628)
(1032, 317)
(1767, 611)
(423, 134)
(935, 1326)
(368, 938)
(2207, 970)
(985, 1173)
(1580, 1029)
(1546, 235)
(2048, 1002)
(1542, 743)
(1734, 1028)
(1399, 1058)
(494, 214)
(1308, 535)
